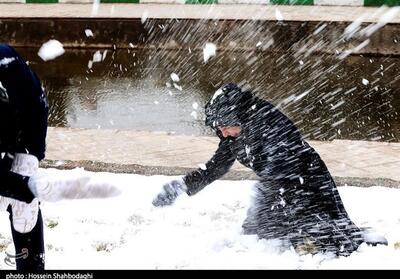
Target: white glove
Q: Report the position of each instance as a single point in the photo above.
(52, 189)
(24, 215)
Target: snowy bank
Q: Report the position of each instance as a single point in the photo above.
(199, 232)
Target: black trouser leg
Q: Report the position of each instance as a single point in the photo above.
(29, 247)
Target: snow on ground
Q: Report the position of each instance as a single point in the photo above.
(198, 232)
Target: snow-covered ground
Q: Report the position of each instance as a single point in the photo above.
(199, 232)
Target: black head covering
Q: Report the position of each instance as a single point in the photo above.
(224, 107)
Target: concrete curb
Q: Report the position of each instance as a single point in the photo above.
(96, 166)
(123, 26)
(228, 2)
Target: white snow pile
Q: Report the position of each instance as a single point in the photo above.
(209, 50)
(198, 232)
(51, 50)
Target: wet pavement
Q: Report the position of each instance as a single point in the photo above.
(327, 98)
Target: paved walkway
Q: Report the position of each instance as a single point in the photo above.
(235, 12)
(351, 162)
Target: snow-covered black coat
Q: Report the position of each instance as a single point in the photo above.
(23, 120)
(297, 198)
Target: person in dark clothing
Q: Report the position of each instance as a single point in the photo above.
(296, 199)
(23, 129)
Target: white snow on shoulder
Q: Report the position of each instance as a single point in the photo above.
(6, 61)
(209, 50)
(51, 50)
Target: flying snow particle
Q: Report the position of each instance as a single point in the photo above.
(144, 16)
(178, 86)
(202, 166)
(365, 81)
(104, 55)
(209, 50)
(258, 44)
(97, 57)
(88, 33)
(175, 77)
(51, 50)
(278, 15)
(95, 7)
(194, 114)
(195, 105)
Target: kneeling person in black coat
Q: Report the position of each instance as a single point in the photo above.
(296, 198)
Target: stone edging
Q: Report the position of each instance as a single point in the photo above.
(266, 2)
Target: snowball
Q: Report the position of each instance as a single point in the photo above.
(51, 50)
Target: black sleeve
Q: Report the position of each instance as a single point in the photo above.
(15, 186)
(219, 165)
(34, 114)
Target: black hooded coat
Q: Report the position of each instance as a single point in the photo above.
(23, 120)
(23, 128)
(296, 198)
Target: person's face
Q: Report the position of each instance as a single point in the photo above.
(230, 131)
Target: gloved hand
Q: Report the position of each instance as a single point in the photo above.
(170, 192)
(24, 215)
